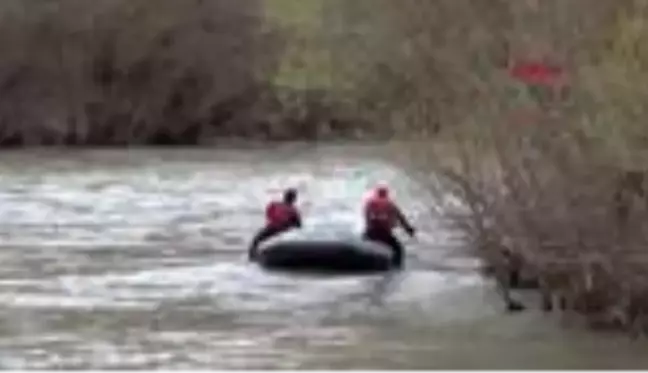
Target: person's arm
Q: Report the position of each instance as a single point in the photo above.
(404, 222)
(366, 211)
(296, 221)
(269, 212)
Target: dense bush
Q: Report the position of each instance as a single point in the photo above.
(128, 71)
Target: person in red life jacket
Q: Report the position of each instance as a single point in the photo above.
(381, 216)
(280, 217)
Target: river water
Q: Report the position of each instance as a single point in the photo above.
(136, 259)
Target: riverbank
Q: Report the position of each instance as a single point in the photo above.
(125, 73)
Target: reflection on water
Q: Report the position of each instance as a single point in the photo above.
(137, 260)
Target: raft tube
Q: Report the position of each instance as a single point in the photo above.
(324, 250)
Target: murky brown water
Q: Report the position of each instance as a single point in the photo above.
(136, 259)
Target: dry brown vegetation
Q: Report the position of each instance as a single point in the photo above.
(117, 71)
(554, 181)
(136, 71)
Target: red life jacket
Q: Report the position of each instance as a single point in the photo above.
(279, 214)
(380, 212)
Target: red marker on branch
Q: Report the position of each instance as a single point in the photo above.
(537, 73)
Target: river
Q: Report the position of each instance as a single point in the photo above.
(136, 260)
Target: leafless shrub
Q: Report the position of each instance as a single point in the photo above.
(124, 71)
(555, 178)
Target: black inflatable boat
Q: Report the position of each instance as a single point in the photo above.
(324, 249)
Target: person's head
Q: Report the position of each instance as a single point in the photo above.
(290, 196)
(382, 191)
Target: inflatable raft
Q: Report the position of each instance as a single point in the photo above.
(324, 249)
